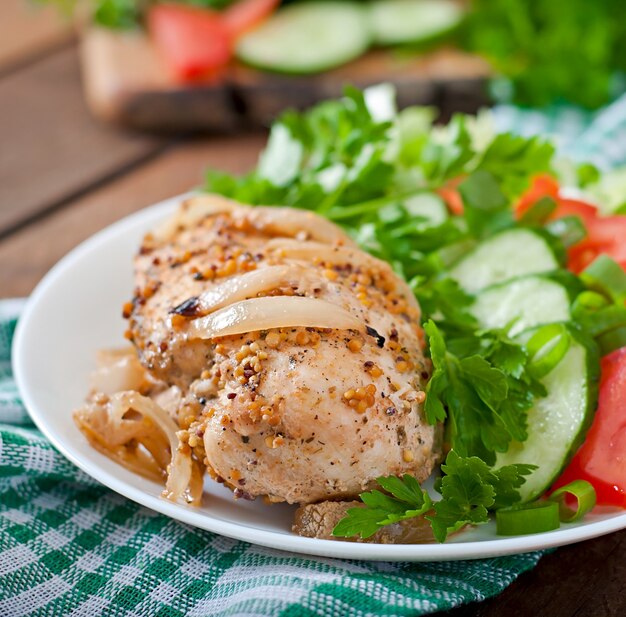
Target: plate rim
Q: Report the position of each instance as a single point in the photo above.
(474, 549)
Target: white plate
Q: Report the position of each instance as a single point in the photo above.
(76, 310)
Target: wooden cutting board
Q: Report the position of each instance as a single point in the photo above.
(127, 84)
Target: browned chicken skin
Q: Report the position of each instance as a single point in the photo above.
(295, 413)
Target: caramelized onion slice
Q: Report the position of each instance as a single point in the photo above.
(192, 211)
(293, 222)
(273, 312)
(338, 255)
(270, 219)
(180, 469)
(318, 251)
(119, 369)
(242, 286)
(129, 418)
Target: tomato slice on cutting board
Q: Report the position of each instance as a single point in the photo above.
(245, 15)
(193, 42)
(602, 458)
(197, 43)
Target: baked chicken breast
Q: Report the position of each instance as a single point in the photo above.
(298, 359)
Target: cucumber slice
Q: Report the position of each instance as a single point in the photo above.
(307, 38)
(507, 255)
(429, 206)
(557, 424)
(527, 302)
(413, 21)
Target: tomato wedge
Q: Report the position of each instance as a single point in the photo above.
(194, 42)
(542, 186)
(605, 234)
(602, 458)
(244, 15)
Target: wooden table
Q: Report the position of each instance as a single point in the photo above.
(63, 177)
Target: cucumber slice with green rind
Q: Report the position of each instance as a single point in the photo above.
(558, 423)
(428, 206)
(524, 303)
(507, 255)
(307, 38)
(413, 21)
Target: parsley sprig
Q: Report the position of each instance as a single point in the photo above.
(403, 499)
(469, 489)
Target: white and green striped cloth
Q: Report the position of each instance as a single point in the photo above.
(70, 547)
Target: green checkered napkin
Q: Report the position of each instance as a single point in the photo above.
(68, 546)
(598, 137)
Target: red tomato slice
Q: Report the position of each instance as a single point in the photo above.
(542, 186)
(573, 207)
(602, 458)
(606, 234)
(194, 42)
(244, 15)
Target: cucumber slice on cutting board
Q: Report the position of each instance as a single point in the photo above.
(507, 255)
(308, 38)
(558, 423)
(523, 302)
(413, 21)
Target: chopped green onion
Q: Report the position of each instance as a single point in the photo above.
(535, 517)
(539, 212)
(607, 277)
(569, 229)
(612, 340)
(585, 496)
(603, 320)
(546, 348)
(339, 212)
(590, 300)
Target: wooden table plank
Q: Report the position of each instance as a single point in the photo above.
(27, 30)
(52, 148)
(27, 255)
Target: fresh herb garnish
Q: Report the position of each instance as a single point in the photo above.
(483, 390)
(469, 490)
(403, 499)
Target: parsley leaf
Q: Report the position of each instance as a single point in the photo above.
(469, 489)
(483, 385)
(404, 499)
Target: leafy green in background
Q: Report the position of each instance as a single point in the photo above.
(552, 51)
(124, 14)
